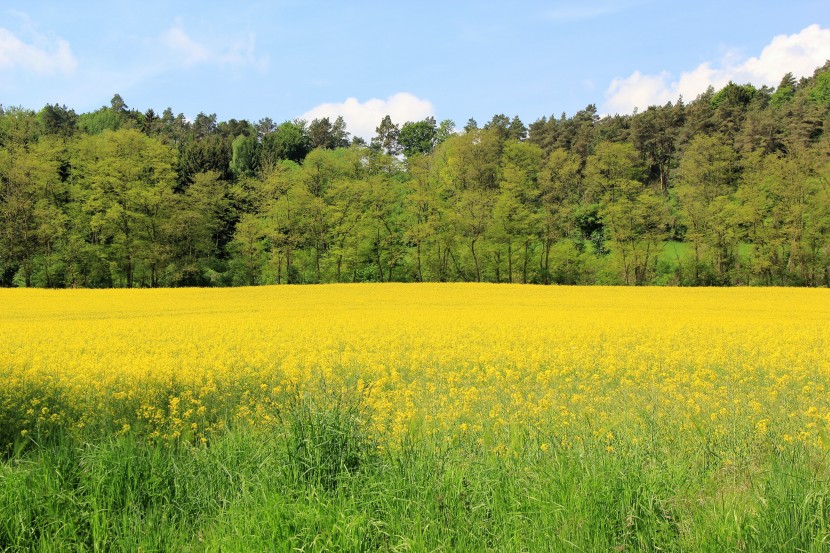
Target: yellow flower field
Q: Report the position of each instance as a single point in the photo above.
(720, 370)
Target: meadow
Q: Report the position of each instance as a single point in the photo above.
(415, 417)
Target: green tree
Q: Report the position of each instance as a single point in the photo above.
(654, 133)
(245, 156)
(129, 180)
(386, 138)
(212, 152)
(514, 212)
(249, 243)
(288, 141)
(636, 221)
(418, 138)
(560, 183)
(194, 226)
(286, 216)
(320, 169)
(58, 120)
(610, 170)
(322, 133)
(785, 91)
(706, 179)
(471, 175)
(347, 203)
(423, 208)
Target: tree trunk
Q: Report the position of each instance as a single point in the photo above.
(475, 260)
(377, 255)
(546, 272)
(420, 274)
(317, 261)
(129, 272)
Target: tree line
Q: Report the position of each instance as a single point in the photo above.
(732, 188)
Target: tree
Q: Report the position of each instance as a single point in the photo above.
(381, 224)
(418, 138)
(347, 202)
(194, 227)
(731, 103)
(118, 105)
(471, 174)
(245, 157)
(634, 217)
(422, 208)
(99, 121)
(446, 129)
(320, 169)
(322, 133)
(339, 135)
(386, 138)
(610, 169)
(204, 125)
(506, 128)
(284, 201)
(129, 185)
(706, 178)
(287, 141)
(785, 91)
(265, 126)
(558, 193)
(210, 153)
(514, 210)
(636, 221)
(820, 90)
(58, 120)
(654, 133)
(248, 241)
(20, 172)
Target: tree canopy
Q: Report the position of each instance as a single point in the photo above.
(730, 188)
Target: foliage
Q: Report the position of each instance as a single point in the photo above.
(739, 175)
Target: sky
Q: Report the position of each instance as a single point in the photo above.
(451, 59)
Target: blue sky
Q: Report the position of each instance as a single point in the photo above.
(450, 59)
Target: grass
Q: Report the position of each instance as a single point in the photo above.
(323, 485)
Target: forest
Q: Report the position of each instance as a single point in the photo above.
(729, 188)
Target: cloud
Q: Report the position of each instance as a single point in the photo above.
(188, 52)
(800, 54)
(363, 117)
(40, 54)
(243, 52)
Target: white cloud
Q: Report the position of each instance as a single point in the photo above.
(42, 54)
(187, 51)
(800, 54)
(363, 117)
(177, 40)
(243, 52)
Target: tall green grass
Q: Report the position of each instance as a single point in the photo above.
(323, 484)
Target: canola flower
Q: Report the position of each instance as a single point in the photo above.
(720, 372)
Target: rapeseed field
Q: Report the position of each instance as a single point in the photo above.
(667, 406)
